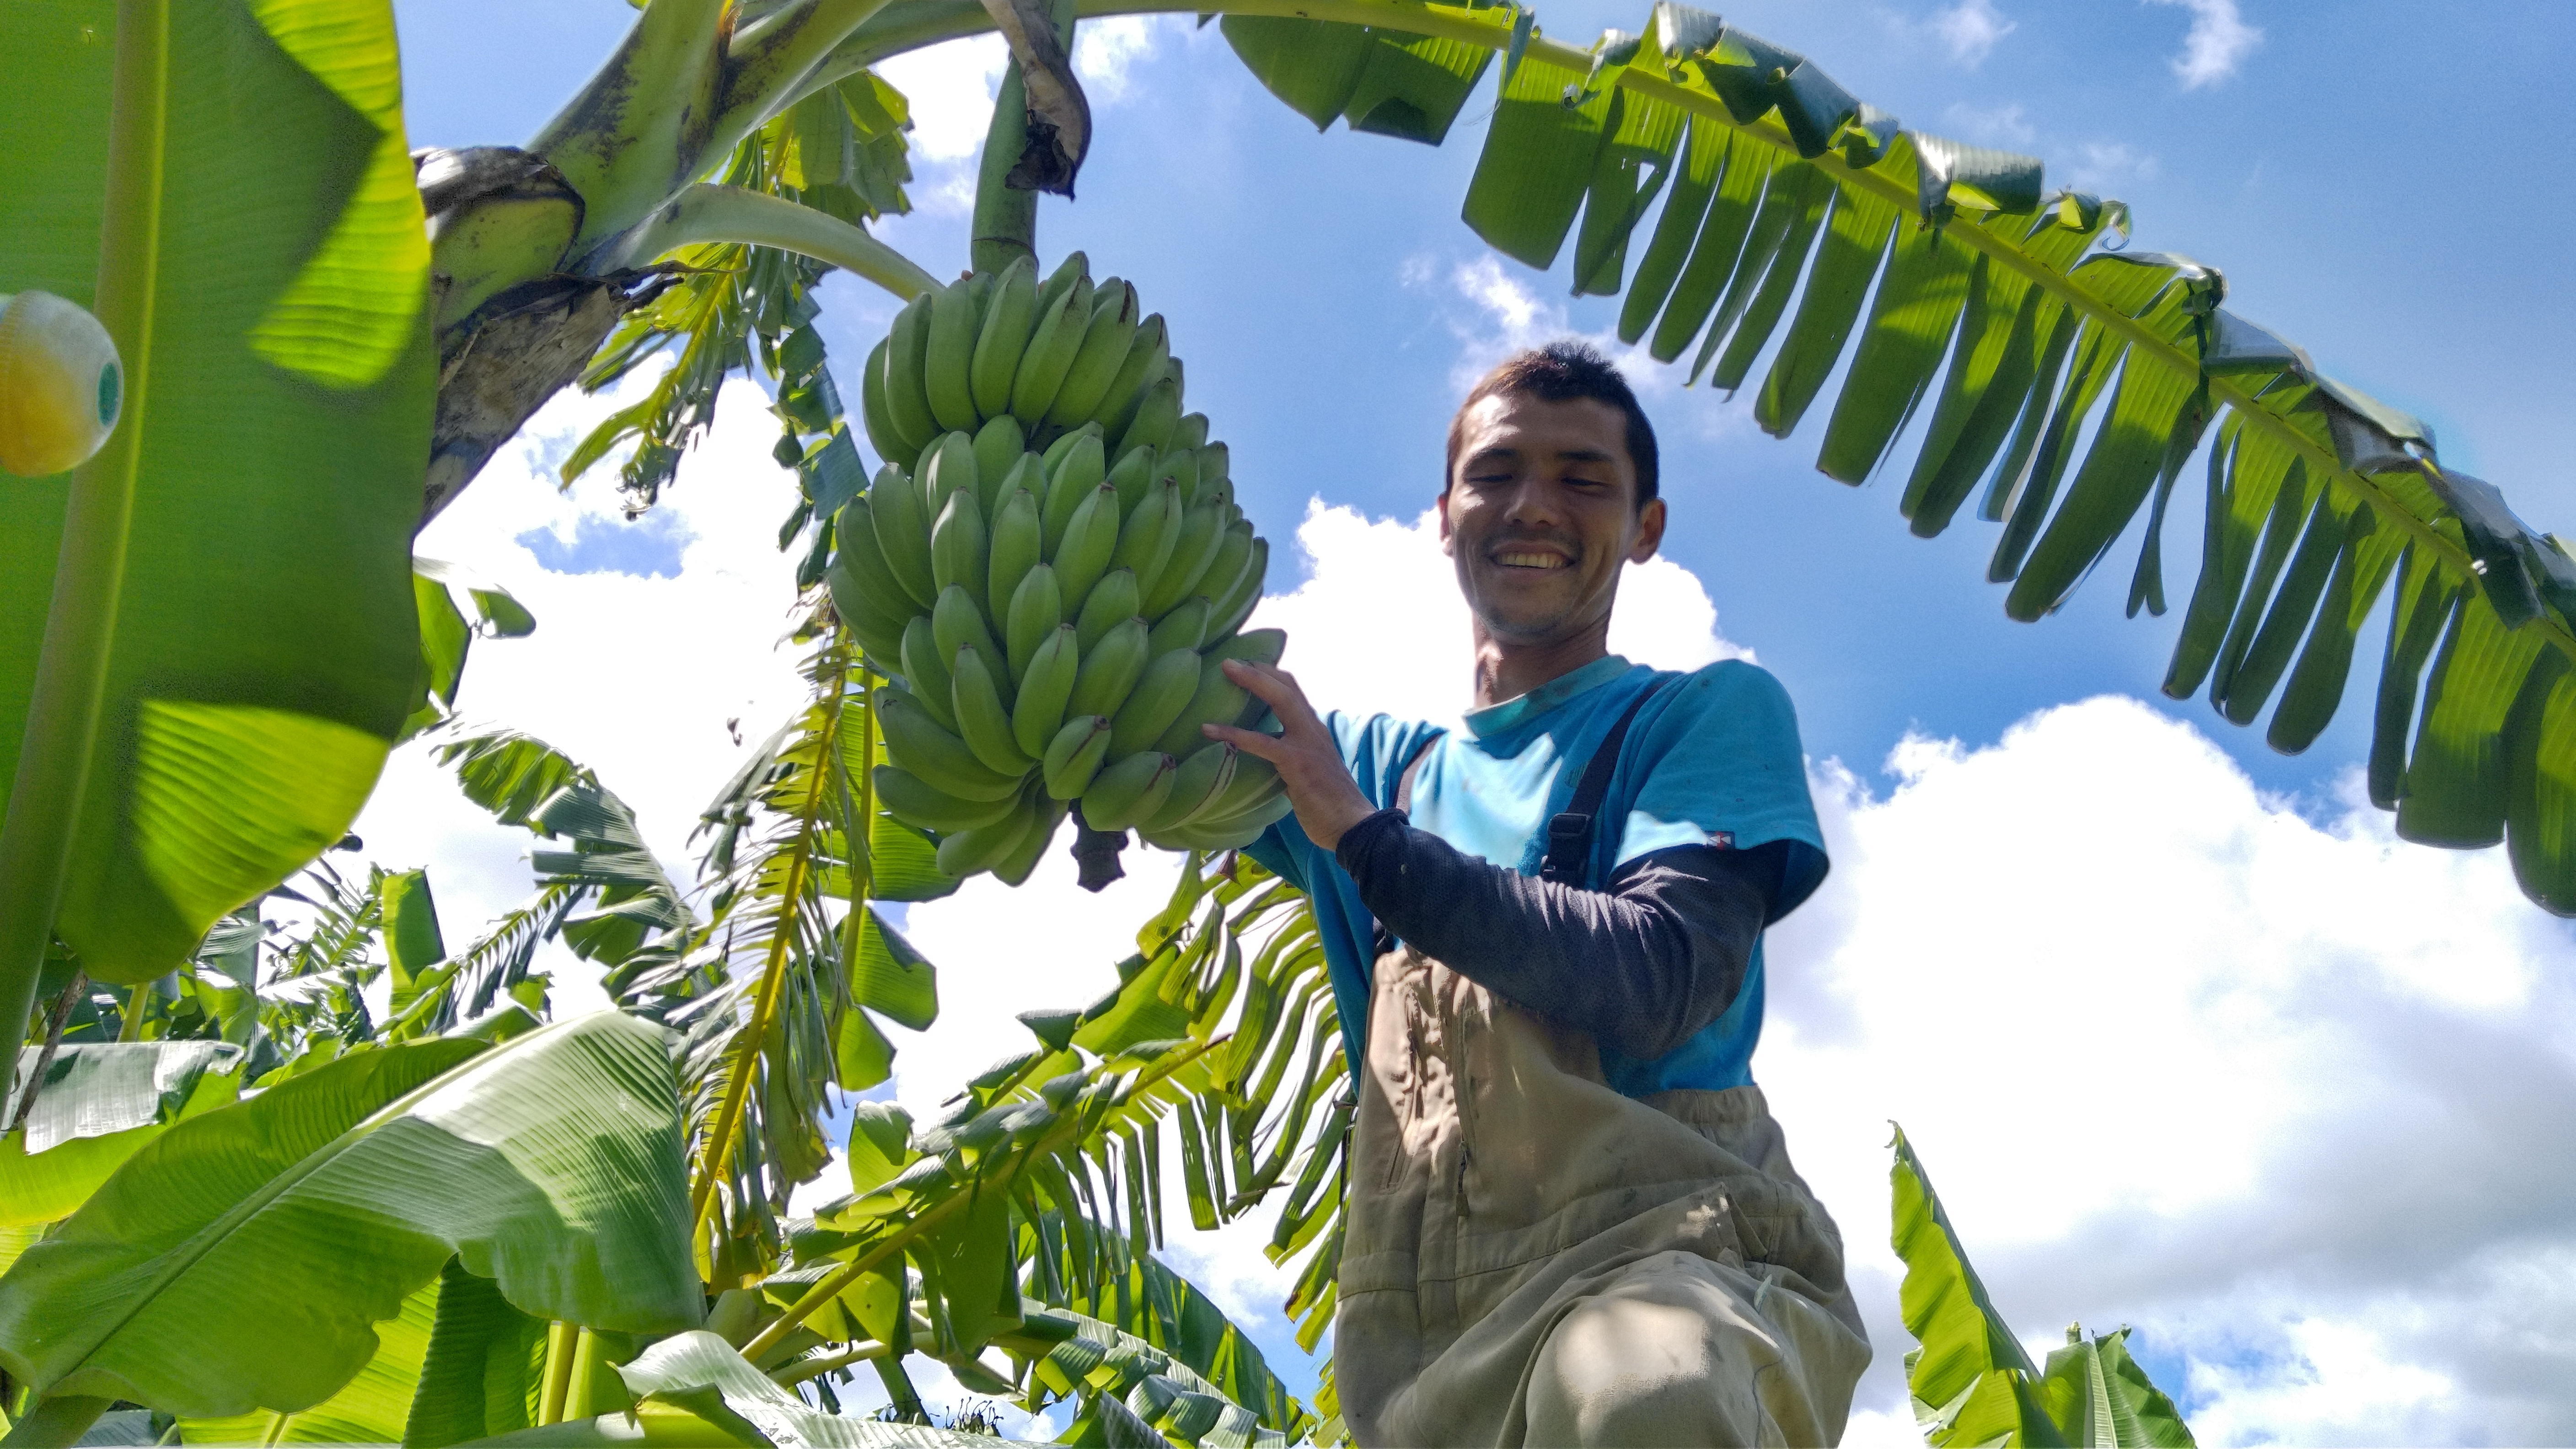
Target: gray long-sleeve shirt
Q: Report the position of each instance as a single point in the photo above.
(1641, 965)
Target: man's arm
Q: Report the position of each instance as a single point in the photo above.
(1642, 966)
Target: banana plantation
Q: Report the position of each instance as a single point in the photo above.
(288, 1160)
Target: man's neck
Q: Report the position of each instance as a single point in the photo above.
(1508, 669)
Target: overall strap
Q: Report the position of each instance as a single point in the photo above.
(1569, 835)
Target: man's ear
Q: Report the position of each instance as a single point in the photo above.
(1650, 530)
(1440, 505)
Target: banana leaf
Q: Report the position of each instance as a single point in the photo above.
(255, 244)
(97, 1105)
(551, 1164)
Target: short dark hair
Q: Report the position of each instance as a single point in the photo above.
(1562, 371)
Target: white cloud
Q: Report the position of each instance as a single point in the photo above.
(2217, 43)
(1969, 29)
(1107, 49)
(2106, 166)
(2001, 125)
(633, 675)
(2181, 1057)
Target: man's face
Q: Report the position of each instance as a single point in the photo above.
(1541, 511)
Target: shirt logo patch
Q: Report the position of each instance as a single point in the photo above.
(1722, 839)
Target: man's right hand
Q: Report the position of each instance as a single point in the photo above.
(1328, 801)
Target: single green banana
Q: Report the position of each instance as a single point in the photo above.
(986, 846)
(1216, 465)
(915, 801)
(864, 590)
(999, 444)
(1073, 756)
(1146, 537)
(1158, 413)
(1255, 646)
(1192, 433)
(915, 741)
(1127, 791)
(1090, 544)
(1217, 700)
(903, 532)
(1161, 693)
(882, 436)
(1110, 670)
(1071, 477)
(1064, 443)
(1014, 552)
(1256, 782)
(1145, 358)
(1178, 629)
(1008, 324)
(1230, 612)
(1046, 687)
(1051, 353)
(1204, 770)
(1031, 617)
(958, 621)
(1074, 268)
(1233, 551)
(1022, 862)
(1134, 471)
(959, 552)
(983, 720)
(1231, 833)
(1180, 467)
(947, 469)
(1112, 602)
(925, 668)
(907, 349)
(1193, 554)
(1025, 472)
(1105, 344)
(949, 355)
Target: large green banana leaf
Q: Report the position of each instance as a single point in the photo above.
(371, 1408)
(1752, 207)
(96, 1105)
(255, 245)
(550, 1164)
(2103, 1400)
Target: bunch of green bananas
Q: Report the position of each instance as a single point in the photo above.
(1057, 580)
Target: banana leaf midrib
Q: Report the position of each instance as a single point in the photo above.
(920, 23)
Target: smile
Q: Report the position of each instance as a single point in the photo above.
(1519, 559)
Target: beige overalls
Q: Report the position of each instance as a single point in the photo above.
(1533, 1259)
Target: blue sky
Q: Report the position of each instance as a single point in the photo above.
(2137, 871)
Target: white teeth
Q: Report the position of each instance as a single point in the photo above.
(1530, 560)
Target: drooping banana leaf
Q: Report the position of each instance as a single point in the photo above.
(234, 574)
(552, 1164)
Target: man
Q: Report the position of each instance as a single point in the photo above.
(1571, 1220)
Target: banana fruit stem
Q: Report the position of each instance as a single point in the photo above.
(1006, 217)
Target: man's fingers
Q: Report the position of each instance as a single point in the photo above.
(1251, 742)
(1275, 688)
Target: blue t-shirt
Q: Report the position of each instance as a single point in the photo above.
(1713, 758)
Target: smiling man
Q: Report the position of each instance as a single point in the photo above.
(1571, 1218)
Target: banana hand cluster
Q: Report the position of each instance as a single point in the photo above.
(1056, 581)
